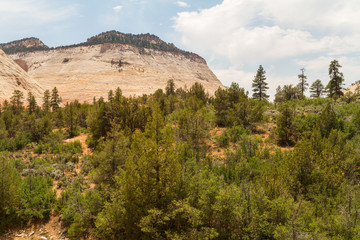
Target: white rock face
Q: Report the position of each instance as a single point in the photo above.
(13, 77)
(87, 71)
(353, 88)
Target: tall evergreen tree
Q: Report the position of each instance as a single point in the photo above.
(336, 80)
(46, 101)
(55, 99)
(328, 120)
(198, 90)
(17, 101)
(118, 95)
(70, 118)
(285, 125)
(170, 87)
(259, 85)
(111, 96)
(31, 102)
(302, 82)
(316, 89)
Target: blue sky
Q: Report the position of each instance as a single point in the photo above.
(234, 36)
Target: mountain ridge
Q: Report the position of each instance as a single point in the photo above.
(138, 64)
(141, 41)
(23, 45)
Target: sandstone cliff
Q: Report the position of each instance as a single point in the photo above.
(138, 64)
(13, 77)
(87, 71)
(354, 88)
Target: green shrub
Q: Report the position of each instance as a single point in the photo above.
(232, 134)
(86, 166)
(37, 198)
(223, 139)
(13, 144)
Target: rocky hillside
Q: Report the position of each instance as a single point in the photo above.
(23, 45)
(102, 63)
(13, 77)
(355, 87)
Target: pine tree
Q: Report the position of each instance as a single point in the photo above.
(16, 101)
(46, 101)
(303, 83)
(111, 96)
(118, 95)
(336, 80)
(316, 89)
(328, 121)
(70, 119)
(55, 99)
(198, 90)
(170, 87)
(285, 125)
(31, 102)
(259, 85)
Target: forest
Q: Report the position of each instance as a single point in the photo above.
(180, 164)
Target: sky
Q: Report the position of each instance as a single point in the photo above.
(234, 36)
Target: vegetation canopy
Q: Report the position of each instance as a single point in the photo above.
(180, 164)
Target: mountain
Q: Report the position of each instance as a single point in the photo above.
(13, 77)
(138, 64)
(138, 40)
(353, 87)
(23, 45)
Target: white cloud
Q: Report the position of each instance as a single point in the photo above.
(117, 8)
(248, 33)
(244, 79)
(231, 74)
(34, 11)
(318, 68)
(182, 4)
(40, 18)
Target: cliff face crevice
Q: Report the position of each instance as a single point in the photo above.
(82, 72)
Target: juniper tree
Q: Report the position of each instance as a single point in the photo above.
(259, 85)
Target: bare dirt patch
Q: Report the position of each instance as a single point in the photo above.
(51, 229)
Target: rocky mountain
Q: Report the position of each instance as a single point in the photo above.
(23, 45)
(138, 64)
(138, 40)
(13, 77)
(354, 88)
